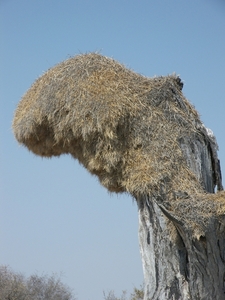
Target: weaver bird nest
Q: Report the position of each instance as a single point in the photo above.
(127, 129)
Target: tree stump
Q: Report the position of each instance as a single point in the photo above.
(184, 258)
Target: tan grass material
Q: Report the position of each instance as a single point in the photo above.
(123, 127)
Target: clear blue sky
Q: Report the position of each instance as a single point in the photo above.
(54, 216)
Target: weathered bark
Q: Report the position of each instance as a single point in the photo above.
(177, 263)
(163, 254)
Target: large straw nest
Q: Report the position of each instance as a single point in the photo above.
(123, 127)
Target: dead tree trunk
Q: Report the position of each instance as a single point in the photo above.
(177, 262)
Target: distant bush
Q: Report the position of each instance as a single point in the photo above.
(137, 294)
(14, 286)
